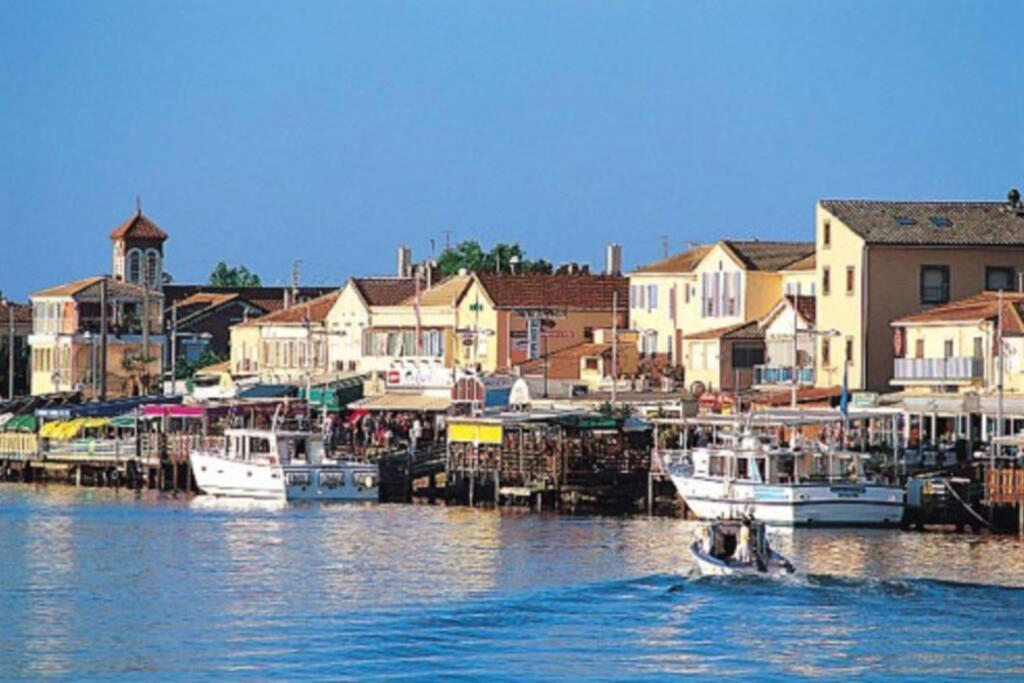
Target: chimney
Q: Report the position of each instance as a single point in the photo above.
(405, 261)
(613, 259)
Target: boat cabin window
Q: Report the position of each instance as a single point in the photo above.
(716, 466)
(742, 468)
(762, 469)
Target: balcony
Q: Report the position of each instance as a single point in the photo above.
(765, 375)
(939, 370)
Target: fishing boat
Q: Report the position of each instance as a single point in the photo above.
(740, 548)
(781, 485)
(280, 465)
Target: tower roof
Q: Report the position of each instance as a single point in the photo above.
(138, 226)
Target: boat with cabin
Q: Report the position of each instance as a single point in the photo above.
(280, 465)
(781, 485)
(737, 548)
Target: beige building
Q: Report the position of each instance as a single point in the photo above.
(67, 343)
(878, 261)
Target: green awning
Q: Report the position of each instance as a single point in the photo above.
(337, 394)
(588, 422)
(21, 423)
(123, 421)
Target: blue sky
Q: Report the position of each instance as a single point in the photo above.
(263, 132)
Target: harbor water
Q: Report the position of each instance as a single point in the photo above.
(99, 584)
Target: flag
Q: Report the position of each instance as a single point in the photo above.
(844, 398)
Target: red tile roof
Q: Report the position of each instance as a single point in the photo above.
(22, 313)
(90, 286)
(384, 291)
(314, 311)
(747, 330)
(975, 308)
(138, 226)
(534, 290)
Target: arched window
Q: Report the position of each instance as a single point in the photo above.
(134, 273)
(153, 267)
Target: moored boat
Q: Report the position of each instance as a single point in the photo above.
(280, 465)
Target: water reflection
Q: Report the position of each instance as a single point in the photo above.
(104, 583)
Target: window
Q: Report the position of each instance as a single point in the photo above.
(134, 266)
(588, 334)
(826, 281)
(827, 234)
(849, 279)
(849, 349)
(905, 220)
(686, 294)
(591, 363)
(919, 348)
(747, 356)
(652, 297)
(934, 284)
(941, 222)
(826, 349)
(632, 296)
(999, 277)
(672, 303)
(947, 348)
(978, 348)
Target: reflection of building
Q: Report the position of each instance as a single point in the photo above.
(16, 322)
(67, 341)
(878, 261)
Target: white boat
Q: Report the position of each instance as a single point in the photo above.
(781, 485)
(726, 549)
(280, 465)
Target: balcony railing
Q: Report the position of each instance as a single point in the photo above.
(939, 369)
(769, 374)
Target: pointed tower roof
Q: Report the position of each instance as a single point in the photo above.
(138, 226)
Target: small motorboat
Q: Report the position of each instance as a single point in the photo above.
(741, 548)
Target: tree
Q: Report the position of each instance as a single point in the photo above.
(186, 369)
(238, 276)
(469, 255)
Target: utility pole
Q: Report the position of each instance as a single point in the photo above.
(664, 245)
(174, 346)
(615, 344)
(796, 346)
(447, 239)
(103, 339)
(10, 349)
(999, 379)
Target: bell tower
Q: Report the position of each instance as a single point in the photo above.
(138, 255)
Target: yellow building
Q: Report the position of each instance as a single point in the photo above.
(696, 306)
(878, 261)
(352, 315)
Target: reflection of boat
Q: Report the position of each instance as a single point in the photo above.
(737, 548)
(781, 486)
(260, 463)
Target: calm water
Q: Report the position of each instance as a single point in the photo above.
(98, 585)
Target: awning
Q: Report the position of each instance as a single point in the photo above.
(410, 402)
(357, 415)
(112, 408)
(173, 411)
(258, 391)
(21, 423)
(123, 421)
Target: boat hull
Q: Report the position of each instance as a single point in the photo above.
(342, 481)
(711, 566)
(837, 504)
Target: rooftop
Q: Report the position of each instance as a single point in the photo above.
(314, 311)
(930, 223)
(973, 309)
(770, 256)
(747, 330)
(384, 291)
(684, 262)
(138, 226)
(536, 290)
(445, 293)
(89, 287)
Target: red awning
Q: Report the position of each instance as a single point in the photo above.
(356, 416)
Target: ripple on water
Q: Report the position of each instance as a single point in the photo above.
(97, 584)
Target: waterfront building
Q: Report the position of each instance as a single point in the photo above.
(506, 319)
(878, 261)
(947, 365)
(15, 328)
(67, 338)
(285, 347)
(138, 252)
(587, 364)
(793, 316)
(702, 306)
(352, 316)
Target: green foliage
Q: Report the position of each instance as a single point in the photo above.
(238, 276)
(471, 256)
(187, 369)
